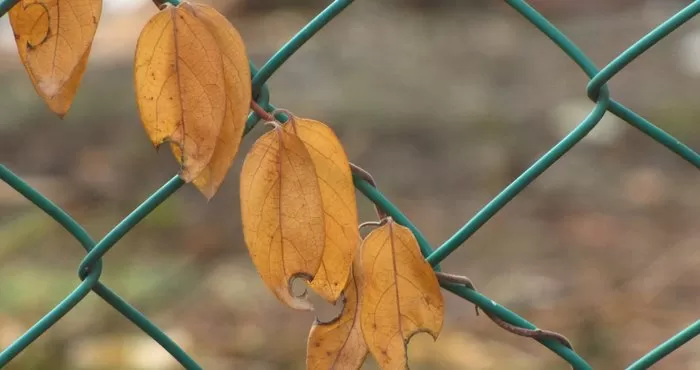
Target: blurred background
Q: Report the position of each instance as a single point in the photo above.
(445, 102)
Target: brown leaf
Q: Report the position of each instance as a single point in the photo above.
(339, 344)
(282, 213)
(54, 38)
(400, 297)
(339, 204)
(238, 95)
(180, 86)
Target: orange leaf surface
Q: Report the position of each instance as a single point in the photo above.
(400, 296)
(282, 213)
(180, 86)
(54, 38)
(339, 344)
(338, 195)
(238, 95)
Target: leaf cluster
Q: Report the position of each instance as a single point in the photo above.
(298, 206)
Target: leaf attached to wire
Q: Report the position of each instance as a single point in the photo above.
(400, 297)
(237, 86)
(282, 213)
(54, 39)
(339, 204)
(180, 86)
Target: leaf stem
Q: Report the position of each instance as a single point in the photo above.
(260, 112)
(538, 334)
(364, 175)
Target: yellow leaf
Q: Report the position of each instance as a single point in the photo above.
(400, 297)
(238, 95)
(61, 103)
(339, 344)
(338, 195)
(282, 213)
(180, 88)
(54, 38)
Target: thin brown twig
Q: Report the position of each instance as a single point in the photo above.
(260, 112)
(363, 174)
(538, 334)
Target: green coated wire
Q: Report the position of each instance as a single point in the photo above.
(147, 326)
(6, 5)
(50, 208)
(91, 282)
(96, 253)
(596, 90)
(520, 183)
(380, 200)
(512, 190)
(656, 133)
(286, 51)
(487, 304)
(555, 153)
(640, 47)
(482, 301)
(48, 320)
(77, 295)
(667, 347)
(129, 222)
(592, 71)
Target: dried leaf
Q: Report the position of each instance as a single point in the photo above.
(339, 344)
(282, 213)
(180, 88)
(238, 96)
(54, 38)
(339, 204)
(400, 297)
(61, 103)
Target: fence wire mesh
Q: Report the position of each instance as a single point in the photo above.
(90, 268)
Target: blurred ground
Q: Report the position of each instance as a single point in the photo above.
(445, 106)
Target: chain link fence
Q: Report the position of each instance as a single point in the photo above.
(90, 268)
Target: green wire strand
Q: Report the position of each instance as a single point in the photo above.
(48, 320)
(568, 142)
(380, 200)
(129, 222)
(72, 299)
(667, 347)
(146, 326)
(6, 5)
(286, 51)
(480, 300)
(640, 47)
(512, 190)
(91, 282)
(283, 54)
(489, 305)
